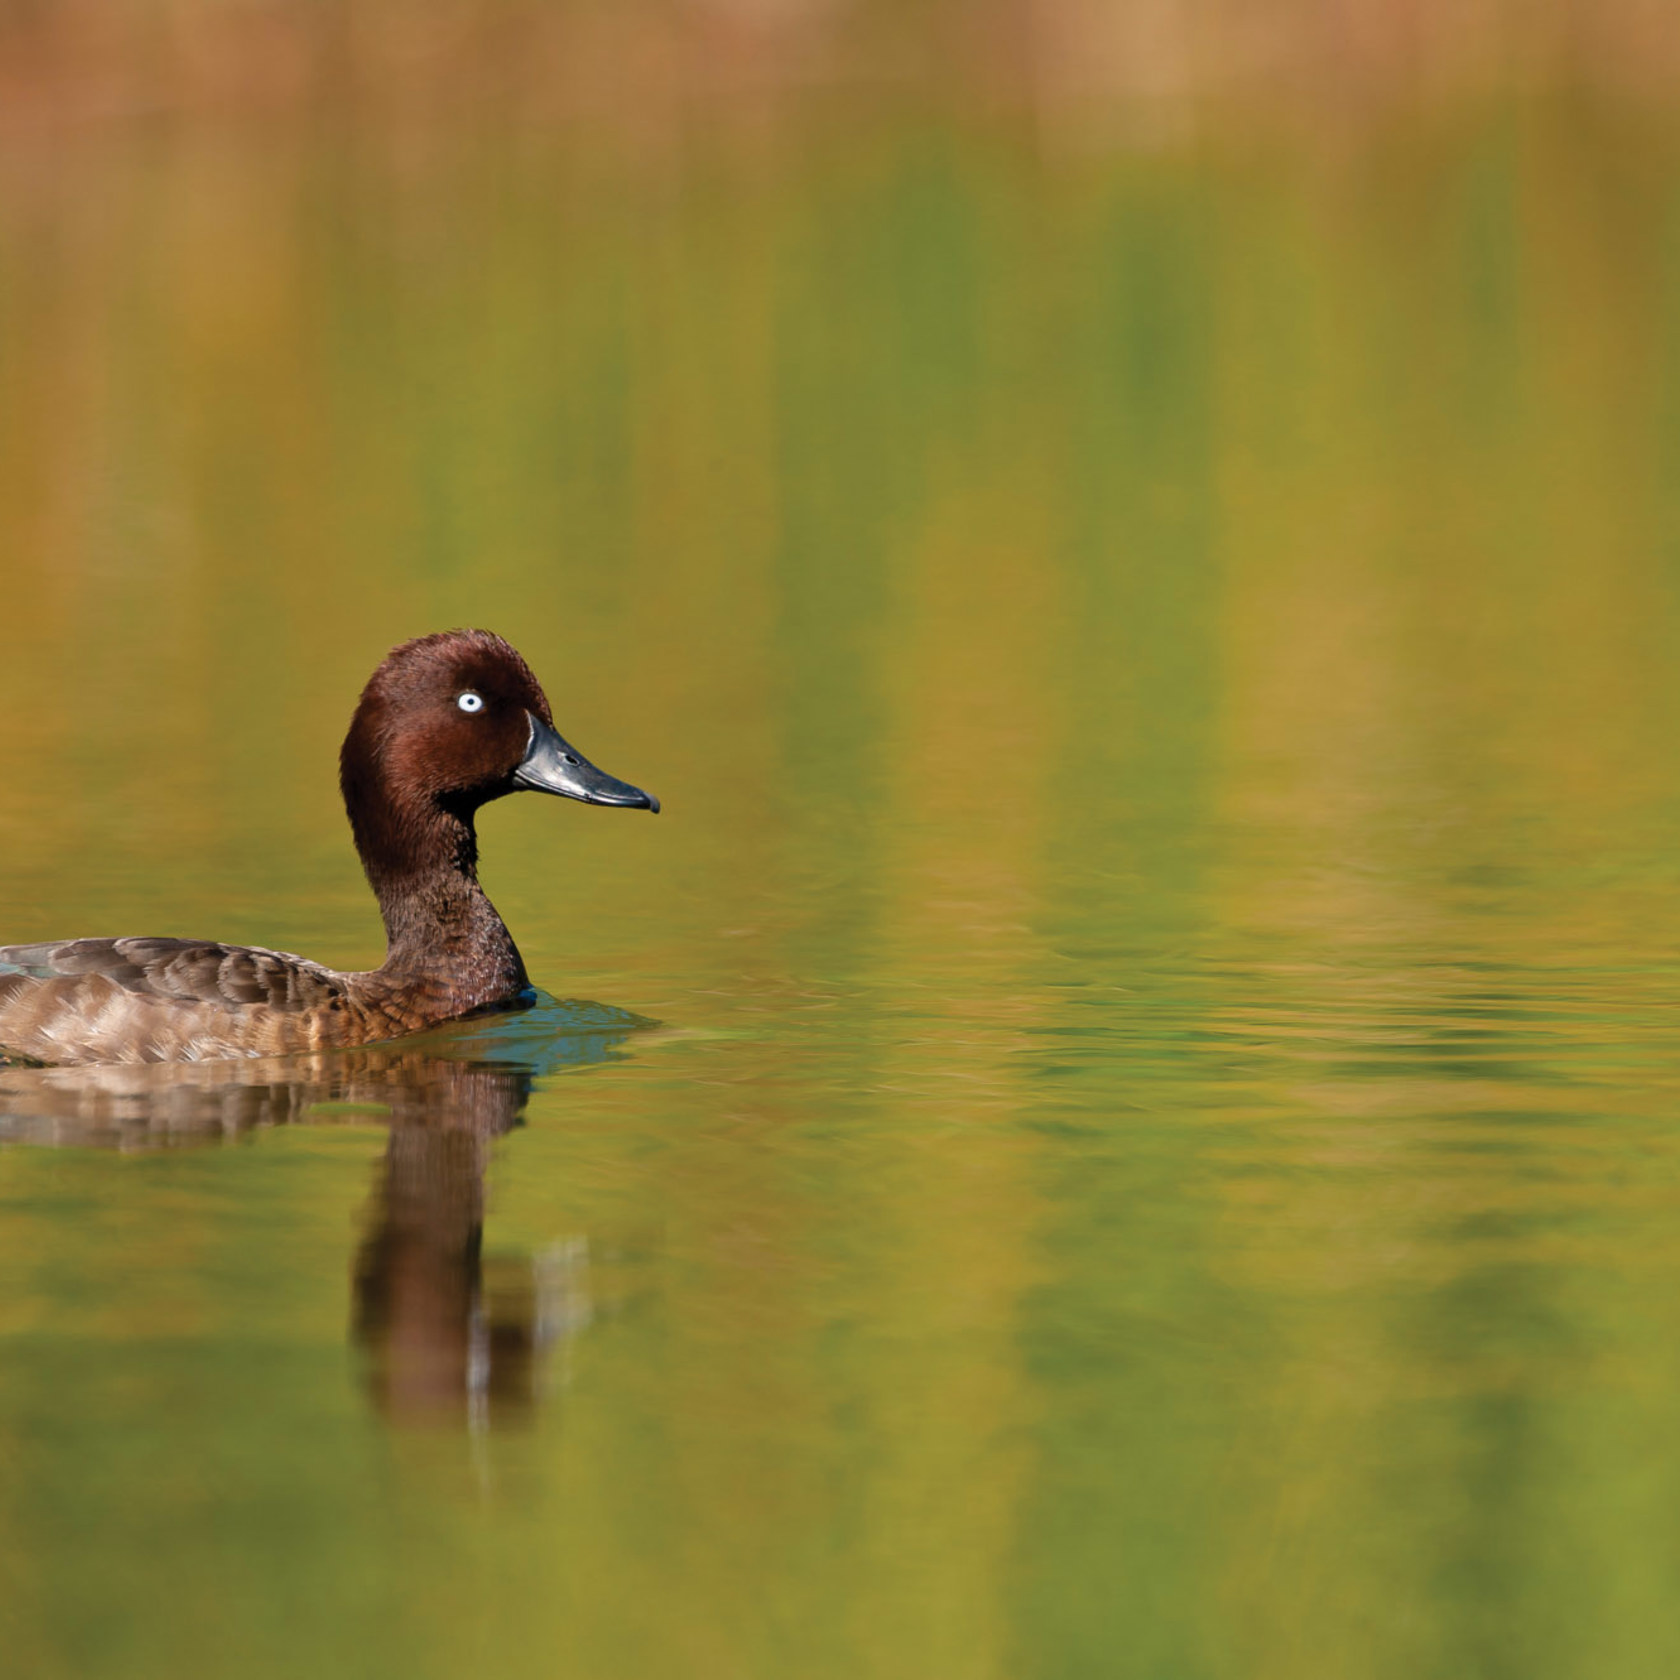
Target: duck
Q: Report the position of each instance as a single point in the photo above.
(446, 724)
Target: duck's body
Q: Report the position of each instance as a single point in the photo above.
(446, 723)
(191, 1000)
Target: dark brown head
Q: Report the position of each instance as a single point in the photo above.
(447, 723)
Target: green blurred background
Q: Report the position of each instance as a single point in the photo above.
(1137, 544)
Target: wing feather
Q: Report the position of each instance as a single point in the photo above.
(149, 999)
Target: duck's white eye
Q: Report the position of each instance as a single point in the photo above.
(470, 702)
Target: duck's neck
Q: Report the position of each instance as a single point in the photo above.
(445, 944)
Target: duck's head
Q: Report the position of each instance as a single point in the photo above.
(446, 724)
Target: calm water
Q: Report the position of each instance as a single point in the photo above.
(1159, 1154)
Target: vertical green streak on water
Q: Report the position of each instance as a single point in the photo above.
(1121, 1468)
(880, 376)
(1139, 509)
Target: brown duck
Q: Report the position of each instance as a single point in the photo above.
(446, 724)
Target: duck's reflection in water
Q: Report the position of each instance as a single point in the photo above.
(446, 1334)
(444, 1330)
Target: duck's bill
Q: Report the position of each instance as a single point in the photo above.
(551, 766)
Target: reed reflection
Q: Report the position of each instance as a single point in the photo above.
(447, 1335)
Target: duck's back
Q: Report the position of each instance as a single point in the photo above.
(160, 1000)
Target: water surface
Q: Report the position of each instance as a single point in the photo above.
(1158, 1153)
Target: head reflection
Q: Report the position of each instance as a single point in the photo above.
(447, 1335)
